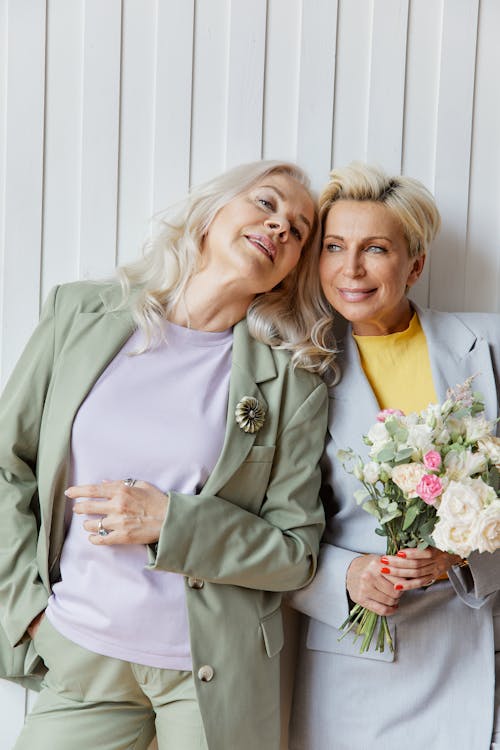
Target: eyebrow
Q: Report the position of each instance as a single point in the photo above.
(303, 218)
(365, 239)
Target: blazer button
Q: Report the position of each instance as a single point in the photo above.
(195, 583)
(205, 673)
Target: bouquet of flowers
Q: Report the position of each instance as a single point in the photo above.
(433, 478)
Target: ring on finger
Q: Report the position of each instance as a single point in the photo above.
(129, 482)
(101, 530)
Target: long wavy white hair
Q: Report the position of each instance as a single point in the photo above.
(292, 316)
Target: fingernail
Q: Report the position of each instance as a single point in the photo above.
(385, 570)
(66, 492)
(384, 560)
(401, 553)
(398, 587)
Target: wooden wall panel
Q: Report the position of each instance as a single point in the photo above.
(317, 88)
(453, 147)
(281, 95)
(245, 82)
(173, 95)
(63, 135)
(102, 29)
(387, 84)
(421, 101)
(23, 174)
(136, 126)
(482, 264)
(352, 77)
(208, 124)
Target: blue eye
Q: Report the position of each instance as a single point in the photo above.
(331, 247)
(376, 249)
(264, 202)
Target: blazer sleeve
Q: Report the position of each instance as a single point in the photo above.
(208, 537)
(325, 598)
(22, 593)
(477, 583)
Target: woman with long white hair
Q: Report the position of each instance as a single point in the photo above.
(159, 480)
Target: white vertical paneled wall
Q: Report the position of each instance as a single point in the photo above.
(120, 105)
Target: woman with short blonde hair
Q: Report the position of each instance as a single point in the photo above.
(443, 612)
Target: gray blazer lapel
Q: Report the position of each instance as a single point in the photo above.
(456, 353)
(252, 364)
(352, 403)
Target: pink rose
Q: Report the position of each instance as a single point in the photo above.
(429, 488)
(432, 460)
(382, 415)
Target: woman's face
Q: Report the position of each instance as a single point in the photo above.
(256, 239)
(365, 267)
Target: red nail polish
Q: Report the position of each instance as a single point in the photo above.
(398, 587)
(385, 570)
(401, 553)
(384, 560)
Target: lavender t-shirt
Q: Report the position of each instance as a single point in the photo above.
(160, 417)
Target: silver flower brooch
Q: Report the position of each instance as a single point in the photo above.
(250, 414)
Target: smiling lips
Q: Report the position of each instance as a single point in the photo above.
(264, 244)
(355, 295)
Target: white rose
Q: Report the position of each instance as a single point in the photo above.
(485, 493)
(490, 447)
(476, 428)
(462, 464)
(411, 419)
(407, 476)
(420, 439)
(442, 437)
(371, 472)
(453, 537)
(432, 415)
(486, 536)
(378, 435)
(461, 502)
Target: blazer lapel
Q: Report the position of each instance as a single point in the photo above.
(456, 353)
(91, 344)
(353, 407)
(252, 364)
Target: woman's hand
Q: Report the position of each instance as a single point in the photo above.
(369, 587)
(129, 515)
(413, 568)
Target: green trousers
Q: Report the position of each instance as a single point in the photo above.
(94, 702)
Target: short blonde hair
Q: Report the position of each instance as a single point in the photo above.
(405, 197)
(282, 318)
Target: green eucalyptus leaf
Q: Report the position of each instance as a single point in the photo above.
(410, 516)
(371, 507)
(390, 516)
(386, 454)
(403, 454)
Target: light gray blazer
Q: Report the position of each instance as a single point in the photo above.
(460, 345)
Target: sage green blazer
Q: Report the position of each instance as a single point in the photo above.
(252, 533)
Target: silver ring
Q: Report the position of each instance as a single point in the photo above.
(101, 530)
(129, 482)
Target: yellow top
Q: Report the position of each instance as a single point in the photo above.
(398, 368)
